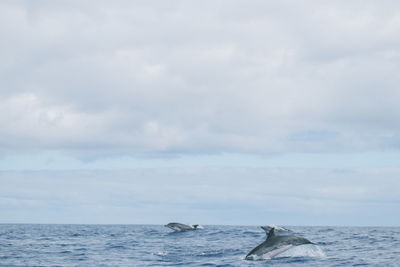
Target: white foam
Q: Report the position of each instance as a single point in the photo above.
(303, 251)
(279, 228)
(291, 251)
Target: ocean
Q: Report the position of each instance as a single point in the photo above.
(214, 245)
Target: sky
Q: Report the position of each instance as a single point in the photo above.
(210, 112)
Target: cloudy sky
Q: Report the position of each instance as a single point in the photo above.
(211, 112)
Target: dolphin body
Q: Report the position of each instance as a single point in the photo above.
(179, 227)
(274, 245)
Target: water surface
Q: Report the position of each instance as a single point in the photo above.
(155, 245)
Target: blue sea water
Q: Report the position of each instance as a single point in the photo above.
(155, 245)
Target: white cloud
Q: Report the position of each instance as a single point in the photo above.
(199, 77)
(130, 84)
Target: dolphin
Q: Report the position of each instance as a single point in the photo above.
(274, 245)
(179, 227)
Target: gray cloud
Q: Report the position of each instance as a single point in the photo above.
(202, 77)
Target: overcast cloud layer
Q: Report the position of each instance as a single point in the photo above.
(199, 77)
(224, 112)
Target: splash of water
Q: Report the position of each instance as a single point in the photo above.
(313, 251)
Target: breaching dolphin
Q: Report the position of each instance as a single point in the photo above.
(179, 227)
(274, 245)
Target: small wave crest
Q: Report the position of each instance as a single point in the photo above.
(212, 253)
(161, 253)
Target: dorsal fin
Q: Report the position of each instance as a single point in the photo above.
(266, 228)
(271, 233)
